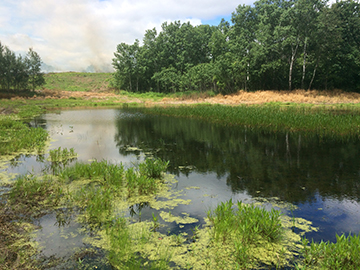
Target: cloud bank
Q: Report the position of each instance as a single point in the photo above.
(71, 35)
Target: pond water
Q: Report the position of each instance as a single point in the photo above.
(212, 164)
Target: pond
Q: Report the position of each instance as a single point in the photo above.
(305, 176)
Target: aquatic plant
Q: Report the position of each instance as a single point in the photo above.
(248, 223)
(344, 254)
(30, 192)
(247, 226)
(274, 117)
(16, 136)
(153, 168)
(62, 155)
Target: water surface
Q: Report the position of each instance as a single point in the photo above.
(214, 163)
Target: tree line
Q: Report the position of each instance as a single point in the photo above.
(18, 72)
(273, 44)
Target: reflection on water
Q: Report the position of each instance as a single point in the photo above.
(214, 163)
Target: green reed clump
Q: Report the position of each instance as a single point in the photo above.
(96, 203)
(29, 191)
(121, 251)
(153, 168)
(62, 155)
(273, 117)
(244, 228)
(16, 136)
(344, 254)
(248, 223)
(102, 171)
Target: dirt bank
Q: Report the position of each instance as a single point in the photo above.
(241, 97)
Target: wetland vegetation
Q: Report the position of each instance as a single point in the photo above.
(98, 195)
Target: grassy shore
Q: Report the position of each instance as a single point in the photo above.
(237, 236)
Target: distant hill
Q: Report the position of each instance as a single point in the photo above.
(78, 81)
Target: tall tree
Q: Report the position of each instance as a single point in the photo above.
(33, 63)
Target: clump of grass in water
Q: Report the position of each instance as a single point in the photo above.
(248, 226)
(109, 180)
(344, 254)
(153, 168)
(30, 192)
(62, 155)
(16, 136)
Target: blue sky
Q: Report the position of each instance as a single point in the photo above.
(74, 34)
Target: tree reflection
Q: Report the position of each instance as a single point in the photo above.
(293, 167)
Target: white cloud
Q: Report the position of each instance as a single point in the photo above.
(73, 34)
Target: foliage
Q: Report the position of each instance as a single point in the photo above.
(344, 254)
(269, 45)
(32, 193)
(153, 168)
(248, 224)
(273, 117)
(16, 136)
(20, 73)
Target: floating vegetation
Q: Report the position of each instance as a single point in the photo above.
(16, 136)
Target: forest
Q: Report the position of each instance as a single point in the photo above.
(18, 72)
(272, 44)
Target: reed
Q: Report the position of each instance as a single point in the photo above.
(274, 117)
(29, 193)
(63, 156)
(153, 168)
(344, 254)
(244, 228)
(17, 136)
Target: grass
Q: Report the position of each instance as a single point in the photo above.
(78, 81)
(274, 118)
(344, 254)
(17, 136)
(62, 156)
(244, 228)
(235, 230)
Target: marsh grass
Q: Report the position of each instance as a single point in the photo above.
(107, 182)
(16, 136)
(247, 223)
(30, 193)
(153, 168)
(60, 155)
(244, 228)
(274, 117)
(344, 254)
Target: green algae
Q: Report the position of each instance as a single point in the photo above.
(186, 219)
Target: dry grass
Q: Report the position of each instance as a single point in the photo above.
(241, 97)
(296, 96)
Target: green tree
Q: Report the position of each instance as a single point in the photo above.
(33, 65)
(128, 70)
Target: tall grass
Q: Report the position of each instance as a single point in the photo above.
(30, 192)
(16, 136)
(344, 254)
(273, 117)
(244, 228)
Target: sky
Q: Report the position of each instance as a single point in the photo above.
(71, 35)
